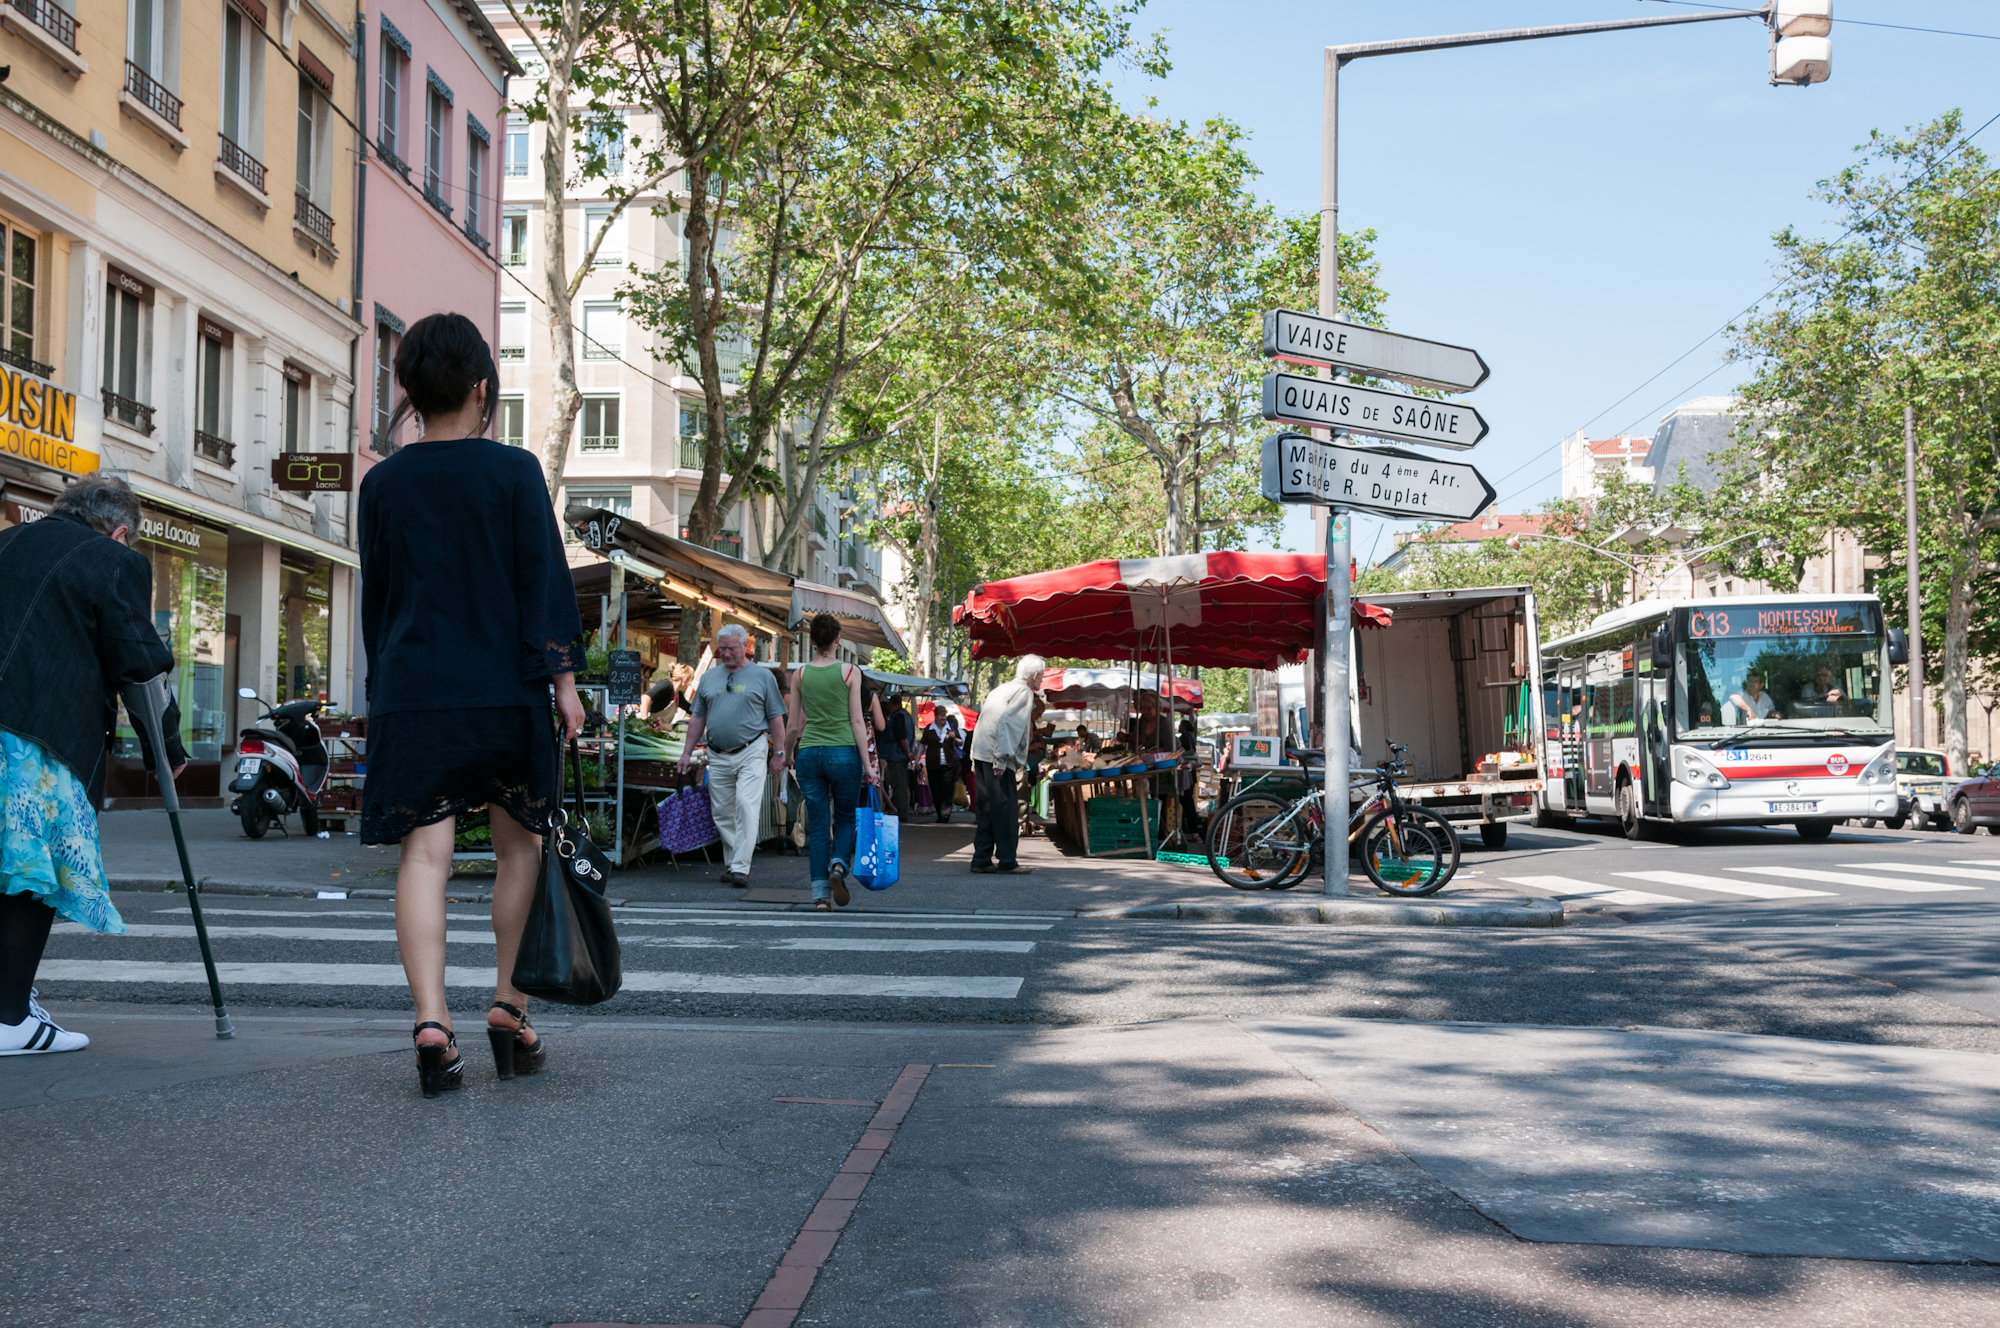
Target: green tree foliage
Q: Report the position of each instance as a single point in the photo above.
(1901, 309)
(1160, 350)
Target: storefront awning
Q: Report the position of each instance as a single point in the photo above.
(162, 494)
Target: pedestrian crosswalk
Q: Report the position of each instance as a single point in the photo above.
(705, 952)
(1763, 882)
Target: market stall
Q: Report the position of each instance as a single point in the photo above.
(1212, 610)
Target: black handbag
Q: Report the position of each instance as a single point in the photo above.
(569, 948)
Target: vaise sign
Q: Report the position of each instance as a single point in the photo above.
(1298, 469)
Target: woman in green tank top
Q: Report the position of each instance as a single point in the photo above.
(830, 742)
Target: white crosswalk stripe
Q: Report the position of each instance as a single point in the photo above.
(1922, 869)
(1723, 886)
(1852, 878)
(262, 932)
(880, 945)
(391, 975)
(1565, 887)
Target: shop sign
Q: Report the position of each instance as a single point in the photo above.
(38, 423)
(163, 529)
(622, 674)
(313, 472)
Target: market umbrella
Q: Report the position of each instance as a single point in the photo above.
(1067, 688)
(1226, 609)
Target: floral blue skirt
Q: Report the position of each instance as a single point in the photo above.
(48, 844)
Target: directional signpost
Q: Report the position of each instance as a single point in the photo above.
(1298, 469)
(1310, 339)
(1327, 404)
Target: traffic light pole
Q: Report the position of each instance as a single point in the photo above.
(1339, 559)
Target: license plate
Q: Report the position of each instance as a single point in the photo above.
(1795, 806)
(247, 764)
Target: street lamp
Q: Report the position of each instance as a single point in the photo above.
(1801, 54)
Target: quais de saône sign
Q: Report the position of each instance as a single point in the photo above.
(1324, 403)
(38, 423)
(1782, 620)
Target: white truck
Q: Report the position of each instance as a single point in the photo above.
(1456, 678)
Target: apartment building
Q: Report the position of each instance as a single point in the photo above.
(176, 204)
(1586, 462)
(433, 113)
(636, 448)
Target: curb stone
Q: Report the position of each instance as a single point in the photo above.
(1353, 912)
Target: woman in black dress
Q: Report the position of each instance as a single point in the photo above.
(466, 598)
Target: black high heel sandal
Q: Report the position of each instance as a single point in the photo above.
(435, 1074)
(512, 1056)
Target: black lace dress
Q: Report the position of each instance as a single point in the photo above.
(467, 608)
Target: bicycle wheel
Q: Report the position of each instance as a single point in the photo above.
(1255, 841)
(1417, 859)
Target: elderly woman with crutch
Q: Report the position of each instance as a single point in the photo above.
(76, 626)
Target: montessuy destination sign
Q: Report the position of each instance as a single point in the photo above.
(1325, 403)
(1298, 469)
(1310, 339)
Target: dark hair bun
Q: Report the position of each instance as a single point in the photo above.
(825, 630)
(441, 359)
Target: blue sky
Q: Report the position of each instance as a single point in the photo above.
(1581, 210)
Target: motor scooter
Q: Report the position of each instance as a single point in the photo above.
(280, 769)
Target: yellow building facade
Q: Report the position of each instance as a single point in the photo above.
(177, 251)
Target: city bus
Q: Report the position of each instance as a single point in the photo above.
(1750, 710)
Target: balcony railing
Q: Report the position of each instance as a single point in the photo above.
(44, 15)
(219, 450)
(513, 352)
(151, 94)
(600, 442)
(245, 166)
(26, 363)
(136, 414)
(472, 234)
(691, 453)
(312, 221)
(436, 200)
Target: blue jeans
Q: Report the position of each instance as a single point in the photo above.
(829, 775)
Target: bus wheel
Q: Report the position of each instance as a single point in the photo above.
(1493, 834)
(1815, 829)
(1629, 820)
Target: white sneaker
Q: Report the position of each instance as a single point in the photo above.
(35, 1009)
(37, 1034)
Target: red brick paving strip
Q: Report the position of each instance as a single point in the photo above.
(788, 1288)
(785, 1294)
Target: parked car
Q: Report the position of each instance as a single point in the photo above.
(1923, 785)
(1976, 802)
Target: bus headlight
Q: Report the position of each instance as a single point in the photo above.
(1881, 770)
(1695, 771)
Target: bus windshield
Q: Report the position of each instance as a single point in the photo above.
(1752, 669)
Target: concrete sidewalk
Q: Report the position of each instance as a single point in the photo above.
(1177, 1174)
(936, 875)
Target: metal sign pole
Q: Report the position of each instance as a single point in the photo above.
(1338, 608)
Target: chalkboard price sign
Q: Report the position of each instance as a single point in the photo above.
(623, 674)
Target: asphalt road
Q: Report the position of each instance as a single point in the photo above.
(1869, 936)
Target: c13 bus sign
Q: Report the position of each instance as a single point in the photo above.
(1298, 469)
(1327, 404)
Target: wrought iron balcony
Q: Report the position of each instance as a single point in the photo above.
(26, 363)
(436, 200)
(513, 352)
(388, 155)
(135, 414)
(312, 221)
(219, 450)
(44, 15)
(472, 234)
(245, 166)
(151, 94)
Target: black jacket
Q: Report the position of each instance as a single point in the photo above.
(76, 624)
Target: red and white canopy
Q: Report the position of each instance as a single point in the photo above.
(1219, 610)
(1085, 687)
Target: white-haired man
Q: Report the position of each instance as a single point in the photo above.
(740, 709)
(999, 751)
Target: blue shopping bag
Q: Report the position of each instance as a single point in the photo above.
(878, 856)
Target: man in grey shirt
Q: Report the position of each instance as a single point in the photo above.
(740, 710)
(999, 751)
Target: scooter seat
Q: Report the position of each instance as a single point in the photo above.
(273, 736)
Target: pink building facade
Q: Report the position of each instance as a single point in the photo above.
(434, 102)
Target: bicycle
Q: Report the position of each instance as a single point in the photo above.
(1257, 841)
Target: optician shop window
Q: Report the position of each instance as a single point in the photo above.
(190, 568)
(305, 601)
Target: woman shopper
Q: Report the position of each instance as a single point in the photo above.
(830, 736)
(76, 624)
(465, 594)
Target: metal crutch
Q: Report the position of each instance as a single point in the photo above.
(146, 702)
